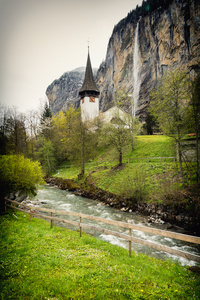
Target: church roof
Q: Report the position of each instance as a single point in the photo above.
(89, 84)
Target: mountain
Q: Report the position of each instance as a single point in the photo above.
(168, 36)
(156, 36)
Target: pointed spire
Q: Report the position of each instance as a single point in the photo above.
(89, 86)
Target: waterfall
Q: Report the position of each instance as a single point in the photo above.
(136, 72)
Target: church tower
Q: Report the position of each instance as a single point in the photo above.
(89, 94)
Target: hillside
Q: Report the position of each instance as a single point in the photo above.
(103, 173)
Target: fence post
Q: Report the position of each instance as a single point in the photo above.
(80, 227)
(51, 220)
(130, 243)
(5, 205)
(30, 215)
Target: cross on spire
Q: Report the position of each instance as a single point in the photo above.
(88, 41)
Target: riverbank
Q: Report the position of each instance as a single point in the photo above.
(37, 262)
(184, 214)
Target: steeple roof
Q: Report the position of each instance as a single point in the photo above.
(89, 84)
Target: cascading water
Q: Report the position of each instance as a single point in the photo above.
(136, 71)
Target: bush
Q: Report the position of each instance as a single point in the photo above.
(18, 173)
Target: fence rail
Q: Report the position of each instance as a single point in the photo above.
(187, 238)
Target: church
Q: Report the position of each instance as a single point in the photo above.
(89, 94)
(89, 103)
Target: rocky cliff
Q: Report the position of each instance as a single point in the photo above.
(168, 35)
(63, 91)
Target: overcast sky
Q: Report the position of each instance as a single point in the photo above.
(42, 39)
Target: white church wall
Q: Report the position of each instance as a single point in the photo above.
(89, 108)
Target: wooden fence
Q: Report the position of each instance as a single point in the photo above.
(187, 238)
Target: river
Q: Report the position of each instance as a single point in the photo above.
(52, 197)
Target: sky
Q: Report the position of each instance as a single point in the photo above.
(42, 39)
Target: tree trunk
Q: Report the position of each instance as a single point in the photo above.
(82, 156)
(180, 162)
(120, 158)
(132, 142)
(197, 153)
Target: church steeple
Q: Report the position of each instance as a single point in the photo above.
(89, 87)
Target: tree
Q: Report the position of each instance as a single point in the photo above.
(150, 124)
(13, 131)
(83, 143)
(169, 104)
(194, 115)
(18, 174)
(32, 121)
(125, 102)
(46, 122)
(46, 155)
(73, 139)
(116, 134)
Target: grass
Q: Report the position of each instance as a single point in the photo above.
(145, 146)
(145, 172)
(37, 262)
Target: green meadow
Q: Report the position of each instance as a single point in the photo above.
(148, 173)
(37, 262)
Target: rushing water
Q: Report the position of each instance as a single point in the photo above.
(52, 197)
(136, 70)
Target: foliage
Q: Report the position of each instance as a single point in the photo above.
(123, 100)
(169, 105)
(46, 154)
(46, 122)
(117, 136)
(13, 134)
(38, 262)
(47, 114)
(143, 175)
(18, 174)
(133, 183)
(194, 116)
(150, 125)
(73, 139)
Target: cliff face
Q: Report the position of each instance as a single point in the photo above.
(166, 38)
(63, 91)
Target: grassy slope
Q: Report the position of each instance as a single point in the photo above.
(37, 262)
(153, 172)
